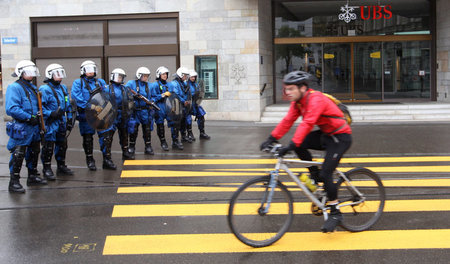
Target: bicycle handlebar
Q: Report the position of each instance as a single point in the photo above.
(273, 149)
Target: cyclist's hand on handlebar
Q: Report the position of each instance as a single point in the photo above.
(284, 150)
(267, 145)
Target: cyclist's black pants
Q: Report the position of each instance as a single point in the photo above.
(335, 146)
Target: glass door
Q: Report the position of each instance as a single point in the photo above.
(367, 72)
(407, 70)
(336, 71)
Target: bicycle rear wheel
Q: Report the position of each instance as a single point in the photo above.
(246, 216)
(363, 215)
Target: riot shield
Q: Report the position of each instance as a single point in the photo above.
(128, 104)
(174, 109)
(101, 111)
(199, 93)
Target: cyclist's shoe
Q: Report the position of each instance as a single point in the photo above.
(315, 176)
(334, 219)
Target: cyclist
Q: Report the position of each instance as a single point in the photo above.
(334, 135)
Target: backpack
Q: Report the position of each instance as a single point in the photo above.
(347, 117)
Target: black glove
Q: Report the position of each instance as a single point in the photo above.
(33, 121)
(269, 141)
(284, 150)
(69, 126)
(57, 114)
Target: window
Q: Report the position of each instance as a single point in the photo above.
(126, 41)
(206, 67)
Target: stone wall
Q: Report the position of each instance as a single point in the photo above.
(443, 50)
(227, 28)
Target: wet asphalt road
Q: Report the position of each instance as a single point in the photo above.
(68, 220)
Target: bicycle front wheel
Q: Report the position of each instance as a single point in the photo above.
(369, 202)
(255, 220)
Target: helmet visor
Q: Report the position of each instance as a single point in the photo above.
(31, 71)
(59, 73)
(117, 77)
(90, 68)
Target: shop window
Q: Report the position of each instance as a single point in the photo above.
(143, 31)
(70, 34)
(206, 67)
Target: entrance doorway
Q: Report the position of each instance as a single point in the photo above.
(386, 68)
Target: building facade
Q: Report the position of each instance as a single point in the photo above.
(359, 51)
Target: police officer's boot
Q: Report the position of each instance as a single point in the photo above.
(14, 184)
(34, 179)
(15, 165)
(133, 137)
(162, 137)
(60, 155)
(123, 138)
(175, 143)
(33, 175)
(147, 139)
(46, 158)
(126, 155)
(201, 127)
(190, 134)
(108, 164)
(88, 145)
(62, 169)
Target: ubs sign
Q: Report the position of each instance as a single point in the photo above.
(366, 12)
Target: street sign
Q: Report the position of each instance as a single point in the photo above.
(10, 40)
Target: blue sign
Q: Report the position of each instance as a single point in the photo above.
(10, 40)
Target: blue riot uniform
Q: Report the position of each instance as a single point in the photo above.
(121, 95)
(198, 112)
(158, 88)
(182, 90)
(21, 104)
(55, 99)
(81, 92)
(141, 115)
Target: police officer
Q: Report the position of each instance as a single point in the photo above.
(55, 104)
(142, 113)
(160, 89)
(180, 88)
(197, 110)
(21, 103)
(121, 94)
(82, 89)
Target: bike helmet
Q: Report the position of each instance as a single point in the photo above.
(296, 77)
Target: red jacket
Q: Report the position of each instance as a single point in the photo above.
(314, 107)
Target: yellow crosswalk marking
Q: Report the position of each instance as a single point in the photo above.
(152, 210)
(273, 161)
(170, 173)
(227, 243)
(263, 171)
(344, 169)
(175, 189)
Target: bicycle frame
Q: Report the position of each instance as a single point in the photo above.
(281, 165)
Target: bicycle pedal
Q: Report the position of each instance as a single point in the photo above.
(316, 210)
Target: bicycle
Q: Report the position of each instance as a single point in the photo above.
(265, 203)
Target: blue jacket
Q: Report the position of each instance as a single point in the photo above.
(140, 87)
(117, 92)
(50, 103)
(193, 86)
(181, 89)
(81, 93)
(21, 105)
(157, 89)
